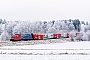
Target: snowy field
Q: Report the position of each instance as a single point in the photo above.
(45, 57)
(53, 51)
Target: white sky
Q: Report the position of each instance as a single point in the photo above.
(44, 9)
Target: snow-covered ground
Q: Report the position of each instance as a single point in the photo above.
(53, 51)
(44, 57)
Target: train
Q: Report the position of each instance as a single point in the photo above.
(38, 36)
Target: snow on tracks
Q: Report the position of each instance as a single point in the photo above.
(31, 42)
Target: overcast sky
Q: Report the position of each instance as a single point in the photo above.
(34, 10)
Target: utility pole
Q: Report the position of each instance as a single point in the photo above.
(11, 30)
(5, 31)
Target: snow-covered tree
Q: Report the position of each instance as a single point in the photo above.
(51, 30)
(5, 36)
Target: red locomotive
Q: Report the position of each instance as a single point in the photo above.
(16, 37)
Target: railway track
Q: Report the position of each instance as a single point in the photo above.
(32, 42)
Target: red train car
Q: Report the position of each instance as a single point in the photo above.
(38, 36)
(35, 36)
(68, 35)
(57, 36)
(16, 37)
(77, 33)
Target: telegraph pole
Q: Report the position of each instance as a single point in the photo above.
(5, 31)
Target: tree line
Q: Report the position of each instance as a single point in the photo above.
(8, 28)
